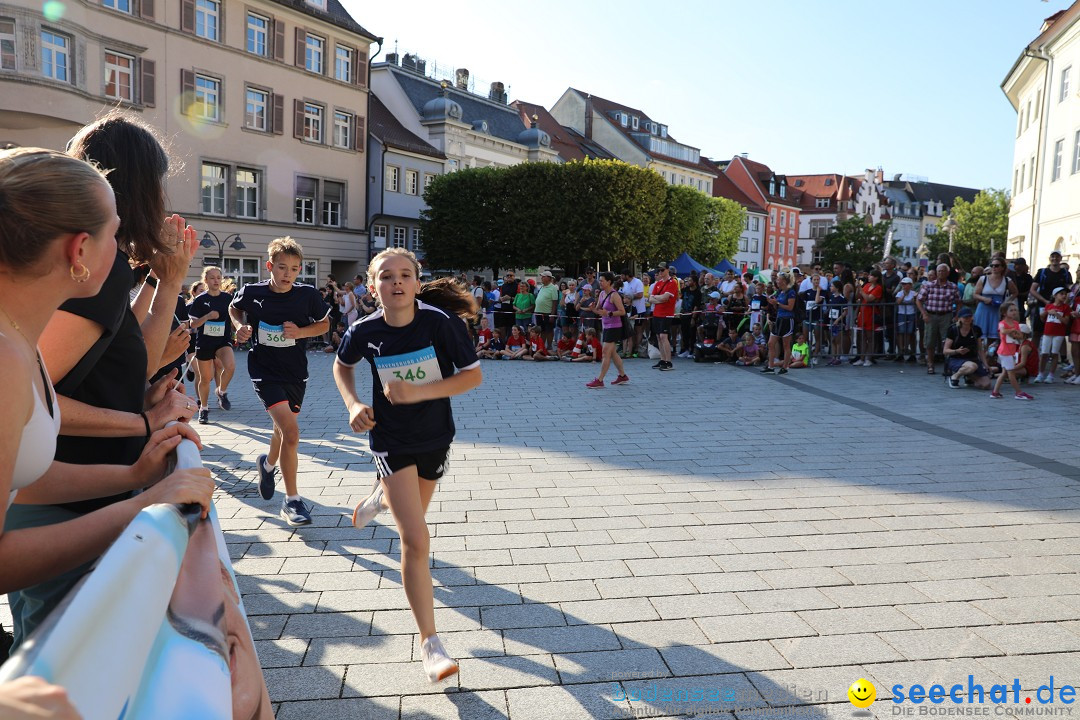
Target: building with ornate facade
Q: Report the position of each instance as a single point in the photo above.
(263, 106)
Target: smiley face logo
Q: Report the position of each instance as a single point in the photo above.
(862, 693)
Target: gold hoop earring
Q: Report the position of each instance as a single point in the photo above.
(83, 275)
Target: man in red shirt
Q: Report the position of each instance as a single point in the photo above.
(662, 297)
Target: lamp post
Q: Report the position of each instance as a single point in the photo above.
(207, 242)
(950, 225)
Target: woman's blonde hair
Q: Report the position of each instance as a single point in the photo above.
(228, 285)
(445, 293)
(45, 194)
(211, 268)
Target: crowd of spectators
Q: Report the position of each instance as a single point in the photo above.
(941, 315)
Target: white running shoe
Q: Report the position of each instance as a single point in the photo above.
(1037, 379)
(1048, 379)
(371, 506)
(437, 662)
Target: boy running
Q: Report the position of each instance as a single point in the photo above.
(279, 315)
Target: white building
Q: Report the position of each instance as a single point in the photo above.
(1043, 87)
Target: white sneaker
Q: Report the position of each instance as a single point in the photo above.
(437, 663)
(371, 506)
(1037, 379)
(1048, 379)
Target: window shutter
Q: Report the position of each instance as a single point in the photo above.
(187, 90)
(187, 16)
(277, 120)
(146, 10)
(360, 136)
(298, 119)
(148, 69)
(352, 132)
(279, 40)
(360, 64)
(301, 45)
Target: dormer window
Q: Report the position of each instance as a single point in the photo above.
(663, 131)
(828, 182)
(623, 119)
(320, 4)
(783, 189)
(772, 187)
(634, 122)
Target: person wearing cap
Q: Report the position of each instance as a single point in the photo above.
(965, 352)
(662, 296)
(905, 319)
(1055, 317)
(1041, 292)
(547, 306)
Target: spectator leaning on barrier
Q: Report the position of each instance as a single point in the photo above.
(937, 301)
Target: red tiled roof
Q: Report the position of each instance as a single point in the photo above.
(604, 106)
(724, 187)
(814, 187)
(761, 173)
(383, 125)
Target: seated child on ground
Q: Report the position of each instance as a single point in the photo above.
(727, 347)
(564, 349)
(483, 335)
(747, 351)
(537, 348)
(494, 346)
(516, 346)
(800, 352)
(588, 348)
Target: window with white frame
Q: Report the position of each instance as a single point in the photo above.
(744, 243)
(214, 177)
(258, 33)
(1076, 153)
(119, 76)
(772, 244)
(1059, 149)
(399, 236)
(821, 202)
(378, 236)
(309, 274)
(255, 109)
(1023, 167)
(207, 98)
(392, 178)
(342, 130)
(412, 182)
(772, 215)
(7, 44)
(313, 122)
(321, 4)
(307, 188)
(1066, 80)
(207, 13)
(244, 271)
(121, 5)
(343, 63)
(415, 241)
(247, 192)
(783, 219)
(635, 122)
(55, 56)
(428, 179)
(332, 201)
(313, 53)
(755, 224)
(754, 245)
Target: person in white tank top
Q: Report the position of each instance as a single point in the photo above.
(57, 241)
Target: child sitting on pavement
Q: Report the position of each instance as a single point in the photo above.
(516, 347)
(748, 352)
(537, 348)
(800, 352)
(564, 349)
(494, 346)
(727, 348)
(483, 335)
(588, 348)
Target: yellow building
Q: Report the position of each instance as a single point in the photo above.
(263, 105)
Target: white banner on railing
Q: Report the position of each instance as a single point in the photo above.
(157, 631)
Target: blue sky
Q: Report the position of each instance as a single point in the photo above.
(806, 87)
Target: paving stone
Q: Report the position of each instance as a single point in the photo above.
(781, 600)
(939, 643)
(723, 657)
(608, 611)
(570, 701)
(688, 606)
(1029, 639)
(338, 624)
(843, 621)
(288, 652)
(304, 683)
(760, 626)
(365, 709)
(558, 640)
(373, 649)
(951, 614)
(529, 615)
(507, 672)
(488, 705)
(803, 652)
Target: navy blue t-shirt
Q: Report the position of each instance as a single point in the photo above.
(427, 350)
(783, 297)
(273, 358)
(212, 333)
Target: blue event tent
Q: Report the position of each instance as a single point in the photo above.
(723, 266)
(684, 264)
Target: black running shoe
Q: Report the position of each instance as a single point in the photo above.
(190, 375)
(658, 365)
(204, 416)
(266, 478)
(223, 401)
(667, 366)
(767, 370)
(782, 371)
(295, 512)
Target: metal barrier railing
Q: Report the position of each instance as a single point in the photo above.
(155, 630)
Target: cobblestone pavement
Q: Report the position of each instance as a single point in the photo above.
(710, 531)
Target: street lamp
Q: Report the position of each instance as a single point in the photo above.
(950, 225)
(207, 242)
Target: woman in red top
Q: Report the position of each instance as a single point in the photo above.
(869, 296)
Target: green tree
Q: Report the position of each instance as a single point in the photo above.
(854, 241)
(724, 224)
(978, 224)
(686, 212)
(464, 221)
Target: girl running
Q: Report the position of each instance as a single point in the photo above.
(420, 355)
(209, 315)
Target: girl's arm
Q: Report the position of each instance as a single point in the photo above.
(361, 416)
(199, 322)
(141, 305)
(403, 393)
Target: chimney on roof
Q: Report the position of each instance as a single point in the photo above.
(392, 58)
(744, 155)
(879, 176)
(588, 116)
(497, 93)
(461, 79)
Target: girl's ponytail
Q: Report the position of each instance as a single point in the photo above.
(448, 294)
